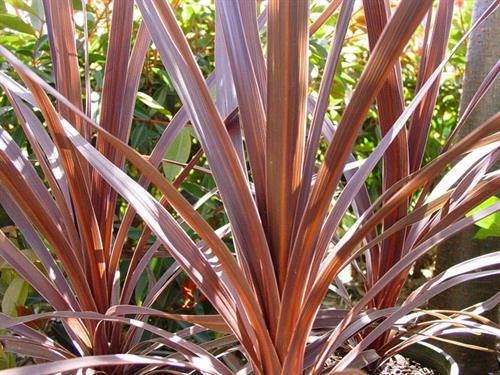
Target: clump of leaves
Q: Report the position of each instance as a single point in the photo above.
(260, 135)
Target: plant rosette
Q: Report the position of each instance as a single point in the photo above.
(254, 252)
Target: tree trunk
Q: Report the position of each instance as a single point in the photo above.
(482, 53)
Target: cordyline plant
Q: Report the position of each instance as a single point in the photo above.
(284, 210)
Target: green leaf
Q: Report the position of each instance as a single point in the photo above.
(41, 42)
(151, 103)
(179, 151)
(7, 276)
(19, 137)
(318, 48)
(7, 360)
(140, 289)
(36, 19)
(77, 4)
(4, 218)
(12, 41)
(15, 295)
(21, 5)
(165, 78)
(13, 22)
(490, 225)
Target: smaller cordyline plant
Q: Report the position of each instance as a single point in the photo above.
(283, 218)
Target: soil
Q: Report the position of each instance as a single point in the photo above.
(403, 366)
(397, 365)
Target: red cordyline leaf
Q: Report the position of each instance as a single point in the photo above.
(390, 45)
(135, 64)
(32, 348)
(452, 318)
(48, 157)
(334, 340)
(240, 207)
(79, 190)
(61, 32)
(320, 108)
(110, 360)
(192, 352)
(316, 126)
(492, 126)
(390, 105)
(404, 310)
(114, 102)
(334, 4)
(22, 182)
(225, 92)
(160, 182)
(246, 62)
(287, 66)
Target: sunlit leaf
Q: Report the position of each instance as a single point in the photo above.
(21, 5)
(151, 103)
(15, 295)
(489, 226)
(15, 23)
(179, 150)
